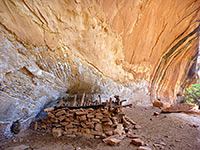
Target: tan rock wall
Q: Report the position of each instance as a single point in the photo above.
(160, 41)
(50, 48)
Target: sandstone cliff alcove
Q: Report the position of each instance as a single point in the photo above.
(130, 48)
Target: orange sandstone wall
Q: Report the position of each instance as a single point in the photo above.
(160, 41)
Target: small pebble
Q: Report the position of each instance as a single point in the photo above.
(167, 136)
(156, 113)
(177, 140)
(137, 126)
(195, 125)
(162, 143)
(144, 148)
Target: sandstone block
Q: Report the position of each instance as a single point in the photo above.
(130, 120)
(98, 127)
(64, 123)
(114, 126)
(57, 132)
(161, 104)
(66, 109)
(67, 131)
(105, 111)
(67, 119)
(84, 125)
(95, 132)
(119, 130)
(69, 115)
(58, 125)
(76, 121)
(35, 125)
(81, 109)
(71, 111)
(87, 131)
(107, 128)
(107, 115)
(61, 118)
(44, 126)
(97, 137)
(95, 120)
(105, 119)
(61, 112)
(90, 124)
(72, 130)
(83, 118)
(90, 110)
(109, 133)
(50, 115)
(99, 115)
(109, 123)
(103, 136)
(137, 142)
(89, 116)
(98, 110)
(114, 120)
(126, 123)
(54, 120)
(45, 121)
(112, 141)
(70, 125)
(71, 119)
(79, 113)
(131, 135)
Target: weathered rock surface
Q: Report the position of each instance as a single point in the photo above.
(50, 48)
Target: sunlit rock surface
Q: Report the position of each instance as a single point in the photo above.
(130, 48)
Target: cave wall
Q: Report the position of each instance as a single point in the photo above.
(131, 48)
(160, 42)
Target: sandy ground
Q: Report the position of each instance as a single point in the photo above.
(167, 131)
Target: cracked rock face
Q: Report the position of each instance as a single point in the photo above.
(129, 48)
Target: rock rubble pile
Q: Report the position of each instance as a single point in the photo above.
(105, 121)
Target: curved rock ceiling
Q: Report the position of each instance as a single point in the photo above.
(129, 48)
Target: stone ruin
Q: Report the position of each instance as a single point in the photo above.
(100, 120)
